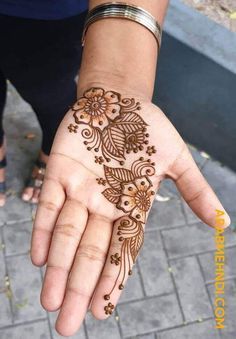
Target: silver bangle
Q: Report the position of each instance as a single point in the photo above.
(124, 11)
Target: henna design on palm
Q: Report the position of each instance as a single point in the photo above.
(131, 191)
(111, 124)
(113, 127)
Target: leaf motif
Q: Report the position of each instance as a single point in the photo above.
(114, 142)
(130, 122)
(116, 176)
(136, 243)
(111, 195)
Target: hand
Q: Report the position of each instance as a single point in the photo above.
(109, 156)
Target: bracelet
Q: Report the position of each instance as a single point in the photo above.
(124, 11)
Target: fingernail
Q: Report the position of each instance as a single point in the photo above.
(222, 219)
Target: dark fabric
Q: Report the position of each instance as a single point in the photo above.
(3, 163)
(2, 187)
(41, 59)
(43, 9)
(3, 91)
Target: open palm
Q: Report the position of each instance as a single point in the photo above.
(109, 156)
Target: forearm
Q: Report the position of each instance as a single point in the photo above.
(121, 52)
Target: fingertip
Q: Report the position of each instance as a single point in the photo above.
(37, 261)
(66, 328)
(222, 219)
(103, 306)
(98, 312)
(219, 218)
(40, 244)
(53, 289)
(72, 313)
(63, 331)
(228, 221)
(50, 302)
(37, 256)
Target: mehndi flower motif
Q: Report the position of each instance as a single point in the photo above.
(136, 198)
(97, 107)
(134, 141)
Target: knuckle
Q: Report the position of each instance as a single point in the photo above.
(183, 174)
(99, 218)
(115, 244)
(68, 230)
(113, 278)
(91, 252)
(57, 268)
(48, 205)
(77, 203)
(78, 291)
(197, 195)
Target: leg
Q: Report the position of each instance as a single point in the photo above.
(3, 89)
(50, 105)
(43, 66)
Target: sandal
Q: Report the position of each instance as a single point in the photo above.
(3, 164)
(36, 181)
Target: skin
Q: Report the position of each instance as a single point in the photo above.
(75, 229)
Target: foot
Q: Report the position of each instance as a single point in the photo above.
(31, 194)
(2, 175)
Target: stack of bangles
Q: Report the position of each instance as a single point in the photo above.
(124, 11)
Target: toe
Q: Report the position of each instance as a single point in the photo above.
(28, 193)
(35, 197)
(2, 200)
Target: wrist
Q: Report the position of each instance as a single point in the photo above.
(120, 52)
(117, 82)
